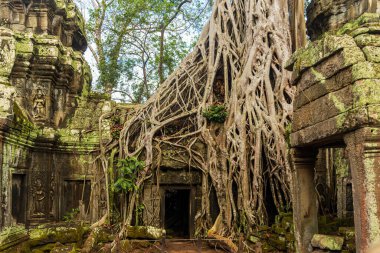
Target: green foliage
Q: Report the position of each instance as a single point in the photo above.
(129, 169)
(216, 113)
(125, 36)
(71, 215)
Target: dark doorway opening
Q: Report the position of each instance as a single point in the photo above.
(73, 191)
(177, 212)
(19, 197)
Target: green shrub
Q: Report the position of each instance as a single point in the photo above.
(215, 113)
(129, 169)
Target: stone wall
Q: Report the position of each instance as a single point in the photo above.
(337, 105)
(329, 15)
(337, 81)
(49, 129)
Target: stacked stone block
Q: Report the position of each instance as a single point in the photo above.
(338, 105)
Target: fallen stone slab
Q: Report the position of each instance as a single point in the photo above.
(12, 236)
(145, 232)
(328, 242)
(53, 234)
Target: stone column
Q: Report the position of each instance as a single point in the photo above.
(363, 152)
(305, 209)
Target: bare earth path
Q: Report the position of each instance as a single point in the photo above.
(189, 247)
(181, 247)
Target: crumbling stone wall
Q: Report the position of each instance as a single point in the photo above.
(48, 117)
(330, 15)
(337, 105)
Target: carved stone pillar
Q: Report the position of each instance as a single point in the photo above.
(363, 152)
(305, 209)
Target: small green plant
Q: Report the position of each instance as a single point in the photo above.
(215, 113)
(71, 215)
(129, 169)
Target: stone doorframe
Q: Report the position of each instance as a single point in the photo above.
(192, 210)
(363, 153)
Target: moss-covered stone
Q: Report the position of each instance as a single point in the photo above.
(103, 234)
(366, 39)
(365, 70)
(347, 232)
(144, 232)
(12, 236)
(372, 53)
(51, 234)
(327, 242)
(7, 52)
(364, 20)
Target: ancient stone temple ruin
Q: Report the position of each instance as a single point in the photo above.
(337, 106)
(47, 114)
(50, 126)
(53, 129)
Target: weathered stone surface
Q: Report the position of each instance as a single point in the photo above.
(322, 87)
(367, 39)
(327, 242)
(341, 51)
(330, 105)
(103, 234)
(7, 54)
(144, 232)
(12, 236)
(347, 232)
(337, 103)
(367, 22)
(51, 234)
(337, 91)
(330, 15)
(372, 53)
(63, 20)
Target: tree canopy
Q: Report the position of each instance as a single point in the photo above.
(136, 44)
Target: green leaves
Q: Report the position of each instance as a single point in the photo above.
(125, 36)
(129, 169)
(216, 113)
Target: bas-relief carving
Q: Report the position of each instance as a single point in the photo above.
(103, 202)
(39, 196)
(7, 53)
(52, 195)
(39, 105)
(45, 86)
(43, 190)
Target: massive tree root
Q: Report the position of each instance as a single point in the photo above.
(238, 63)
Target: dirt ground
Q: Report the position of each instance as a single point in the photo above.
(180, 247)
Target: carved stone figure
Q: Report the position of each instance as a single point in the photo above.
(39, 105)
(51, 195)
(103, 202)
(7, 52)
(38, 198)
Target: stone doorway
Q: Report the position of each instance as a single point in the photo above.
(19, 198)
(176, 212)
(73, 192)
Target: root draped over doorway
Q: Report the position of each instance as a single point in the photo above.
(238, 63)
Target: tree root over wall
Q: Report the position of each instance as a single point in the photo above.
(237, 63)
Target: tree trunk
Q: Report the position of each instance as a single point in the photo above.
(245, 46)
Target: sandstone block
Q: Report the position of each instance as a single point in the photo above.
(327, 242)
(12, 236)
(145, 232)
